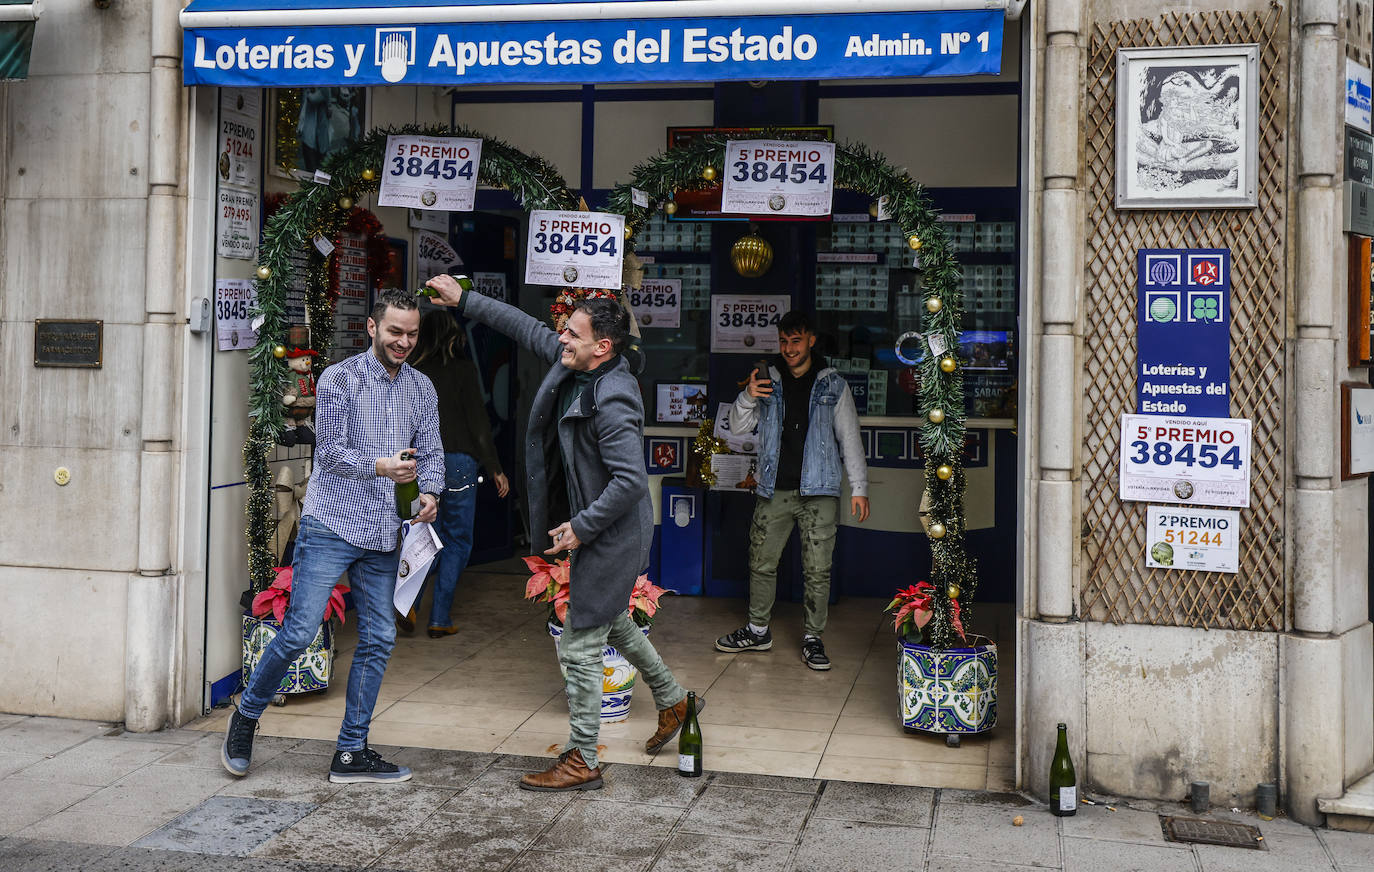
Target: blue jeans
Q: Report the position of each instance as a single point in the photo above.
(321, 557)
(454, 526)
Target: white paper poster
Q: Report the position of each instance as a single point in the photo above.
(1357, 95)
(434, 256)
(741, 443)
(1187, 538)
(430, 172)
(735, 472)
(236, 225)
(350, 259)
(1361, 426)
(747, 324)
(419, 545)
(579, 249)
(658, 302)
(422, 219)
(772, 177)
(491, 284)
(235, 299)
(1200, 461)
(240, 136)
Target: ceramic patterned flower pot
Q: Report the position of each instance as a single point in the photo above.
(952, 692)
(310, 671)
(617, 678)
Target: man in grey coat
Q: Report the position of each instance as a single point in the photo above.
(584, 463)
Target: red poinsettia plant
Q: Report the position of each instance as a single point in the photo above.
(913, 608)
(548, 583)
(274, 600)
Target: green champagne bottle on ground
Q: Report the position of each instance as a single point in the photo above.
(689, 742)
(463, 282)
(1063, 782)
(408, 494)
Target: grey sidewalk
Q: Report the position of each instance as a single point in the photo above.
(78, 795)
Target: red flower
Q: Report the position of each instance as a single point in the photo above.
(276, 598)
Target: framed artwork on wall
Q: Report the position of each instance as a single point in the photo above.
(1187, 127)
(309, 124)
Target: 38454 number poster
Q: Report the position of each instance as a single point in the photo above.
(1200, 461)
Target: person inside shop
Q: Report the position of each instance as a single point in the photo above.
(466, 433)
(807, 425)
(372, 411)
(587, 410)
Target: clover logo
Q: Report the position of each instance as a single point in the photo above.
(1206, 308)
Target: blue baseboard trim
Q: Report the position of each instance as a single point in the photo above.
(224, 689)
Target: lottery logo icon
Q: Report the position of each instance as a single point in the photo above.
(776, 202)
(1163, 272)
(1206, 272)
(394, 51)
(570, 274)
(1162, 307)
(1183, 489)
(428, 198)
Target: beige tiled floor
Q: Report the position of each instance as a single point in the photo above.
(496, 687)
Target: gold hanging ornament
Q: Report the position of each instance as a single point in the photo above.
(751, 255)
(629, 231)
(947, 364)
(914, 242)
(936, 416)
(937, 530)
(709, 173)
(953, 591)
(369, 174)
(934, 305)
(264, 272)
(278, 351)
(943, 472)
(345, 202)
(670, 207)
(873, 209)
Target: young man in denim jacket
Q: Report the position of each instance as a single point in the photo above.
(807, 427)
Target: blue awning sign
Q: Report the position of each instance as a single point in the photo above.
(826, 46)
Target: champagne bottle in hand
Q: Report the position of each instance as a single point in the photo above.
(689, 742)
(463, 282)
(408, 494)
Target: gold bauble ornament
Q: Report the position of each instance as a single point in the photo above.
(953, 591)
(934, 305)
(670, 207)
(369, 174)
(345, 202)
(264, 272)
(947, 364)
(937, 530)
(914, 241)
(278, 351)
(873, 209)
(936, 416)
(943, 472)
(629, 231)
(751, 255)
(709, 174)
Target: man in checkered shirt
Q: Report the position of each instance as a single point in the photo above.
(371, 407)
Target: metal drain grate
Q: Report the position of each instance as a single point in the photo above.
(1204, 832)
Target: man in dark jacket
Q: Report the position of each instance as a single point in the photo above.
(584, 462)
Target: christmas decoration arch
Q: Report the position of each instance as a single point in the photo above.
(320, 209)
(698, 164)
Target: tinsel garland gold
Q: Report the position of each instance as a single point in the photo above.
(313, 210)
(703, 447)
(858, 168)
(288, 116)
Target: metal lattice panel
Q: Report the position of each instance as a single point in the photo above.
(1117, 587)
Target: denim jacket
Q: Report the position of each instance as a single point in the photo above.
(832, 436)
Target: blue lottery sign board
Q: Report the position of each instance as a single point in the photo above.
(1184, 332)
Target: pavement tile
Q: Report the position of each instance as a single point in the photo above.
(1122, 825)
(617, 829)
(473, 843)
(648, 784)
(986, 833)
(722, 854)
(28, 802)
(33, 855)
(756, 814)
(1215, 858)
(766, 782)
(439, 768)
(13, 763)
(876, 803)
(11, 720)
(204, 752)
(961, 864)
(549, 861)
(48, 735)
(1084, 855)
(291, 776)
(226, 825)
(358, 825)
(523, 762)
(1349, 849)
(853, 846)
(144, 860)
(96, 828)
(98, 761)
(985, 797)
(496, 792)
(157, 791)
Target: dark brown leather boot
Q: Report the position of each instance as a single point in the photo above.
(669, 722)
(571, 772)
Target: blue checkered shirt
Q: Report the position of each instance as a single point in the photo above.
(361, 414)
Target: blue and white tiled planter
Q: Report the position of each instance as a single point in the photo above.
(617, 678)
(310, 672)
(951, 692)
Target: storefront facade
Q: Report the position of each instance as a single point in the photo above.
(1164, 676)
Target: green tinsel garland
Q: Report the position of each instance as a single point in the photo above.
(858, 168)
(321, 210)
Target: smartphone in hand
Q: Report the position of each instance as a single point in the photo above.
(762, 366)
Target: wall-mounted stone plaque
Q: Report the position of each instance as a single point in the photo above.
(62, 342)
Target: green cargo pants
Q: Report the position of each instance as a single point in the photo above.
(815, 518)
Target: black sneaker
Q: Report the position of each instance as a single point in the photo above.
(744, 639)
(237, 750)
(813, 654)
(350, 767)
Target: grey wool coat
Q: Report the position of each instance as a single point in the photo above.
(608, 488)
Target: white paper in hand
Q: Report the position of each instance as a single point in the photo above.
(419, 544)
